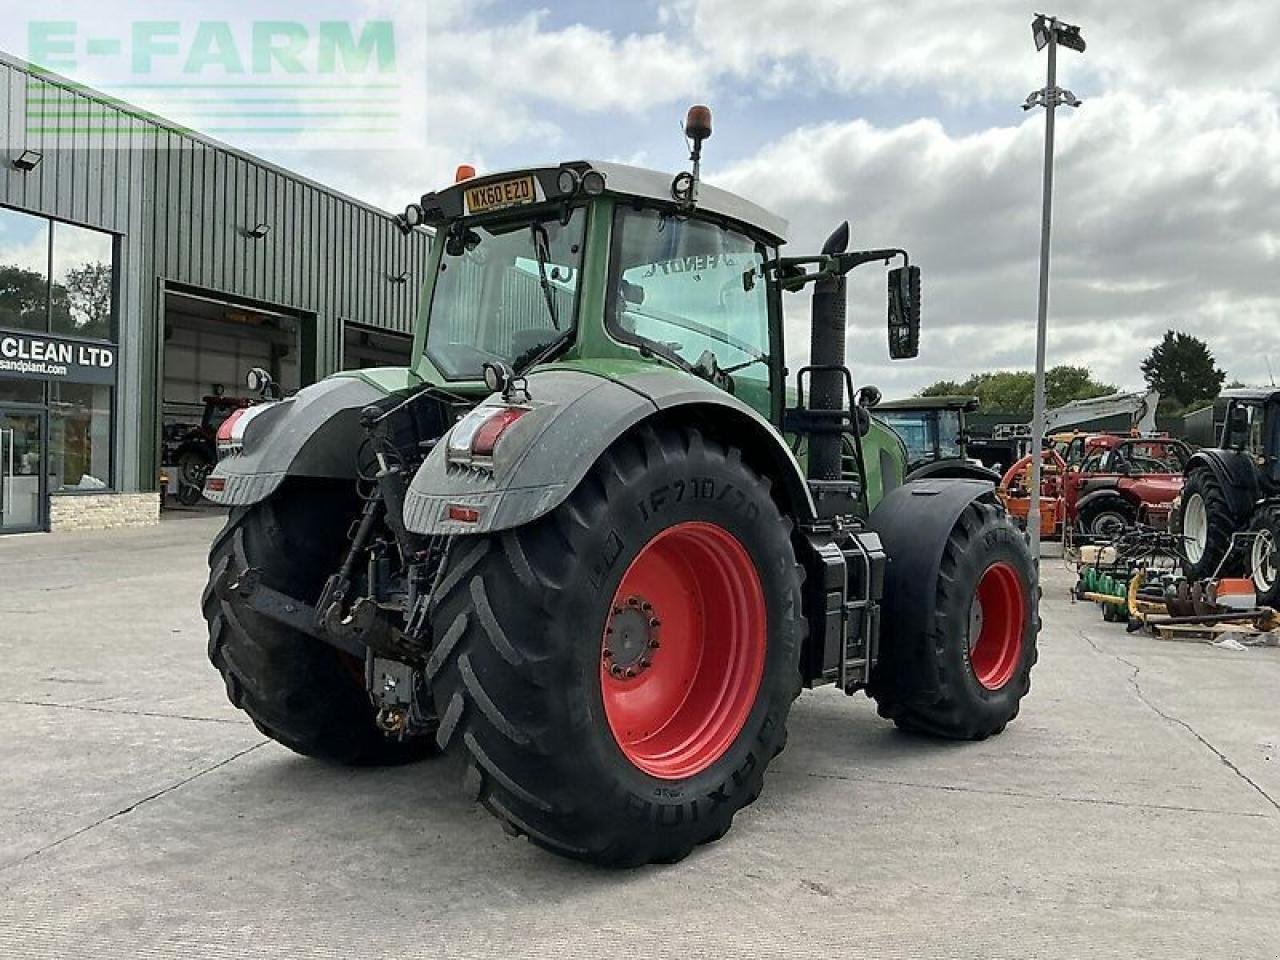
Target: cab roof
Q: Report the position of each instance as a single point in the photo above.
(967, 404)
(620, 180)
(1249, 393)
(656, 185)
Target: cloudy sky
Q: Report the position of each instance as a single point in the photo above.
(904, 118)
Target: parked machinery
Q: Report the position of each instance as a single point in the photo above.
(1101, 484)
(936, 436)
(1230, 507)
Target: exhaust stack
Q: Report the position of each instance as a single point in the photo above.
(826, 353)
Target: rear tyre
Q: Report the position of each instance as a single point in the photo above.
(1264, 559)
(297, 690)
(965, 679)
(617, 675)
(1207, 525)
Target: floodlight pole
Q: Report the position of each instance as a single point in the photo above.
(1049, 98)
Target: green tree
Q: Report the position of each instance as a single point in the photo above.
(1011, 391)
(24, 298)
(943, 388)
(1182, 368)
(82, 302)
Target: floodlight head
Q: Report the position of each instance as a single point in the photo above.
(28, 160)
(1040, 32)
(1045, 28)
(1070, 38)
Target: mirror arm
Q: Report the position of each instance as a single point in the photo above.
(844, 262)
(793, 275)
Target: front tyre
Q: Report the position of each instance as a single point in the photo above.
(966, 677)
(617, 675)
(1207, 525)
(1264, 559)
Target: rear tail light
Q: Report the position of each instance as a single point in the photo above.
(475, 436)
(228, 425)
(231, 434)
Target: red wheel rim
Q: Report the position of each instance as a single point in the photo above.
(996, 620)
(683, 650)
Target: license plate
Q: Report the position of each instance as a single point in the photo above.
(505, 193)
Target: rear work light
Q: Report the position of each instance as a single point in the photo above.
(475, 436)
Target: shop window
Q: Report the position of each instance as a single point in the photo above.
(79, 437)
(24, 271)
(80, 296)
(21, 391)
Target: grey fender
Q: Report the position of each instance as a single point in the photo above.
(914, 523)
(1099, 497)
(315, 433)
(952, 470)
(575, 417)
(1235, 473)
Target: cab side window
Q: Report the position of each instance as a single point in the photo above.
(694, 288)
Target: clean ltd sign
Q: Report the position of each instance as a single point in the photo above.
(27, 356)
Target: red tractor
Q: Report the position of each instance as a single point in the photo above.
(1104, 483)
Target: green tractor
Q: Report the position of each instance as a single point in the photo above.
(591, 542)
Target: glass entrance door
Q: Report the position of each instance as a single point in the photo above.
(22, 444)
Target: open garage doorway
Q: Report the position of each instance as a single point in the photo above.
(210, 345)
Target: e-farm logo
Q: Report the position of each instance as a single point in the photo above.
(254, 82)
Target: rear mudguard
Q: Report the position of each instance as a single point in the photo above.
(314, 433)
(1235, 473)
(575, 416)
(914, 523)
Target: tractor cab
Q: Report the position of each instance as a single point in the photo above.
(1252, 428)
(693, 288)
(936, 436)
(612, 269)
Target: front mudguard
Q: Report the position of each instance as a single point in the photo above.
(315, 433)
(914, 523)
(575, 415)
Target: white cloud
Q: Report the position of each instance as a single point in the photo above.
(1167, 199)
(1164, 216)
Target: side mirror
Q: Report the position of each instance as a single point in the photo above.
(1238, 427)
(904, 313)
(868, 397)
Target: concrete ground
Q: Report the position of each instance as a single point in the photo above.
(1133, 810)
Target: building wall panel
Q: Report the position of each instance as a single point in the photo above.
(182, 205)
